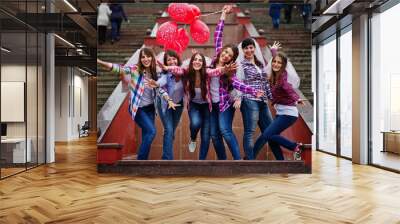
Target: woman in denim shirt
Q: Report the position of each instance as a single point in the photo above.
(174, 86)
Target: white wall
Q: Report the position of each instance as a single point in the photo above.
(71, 94)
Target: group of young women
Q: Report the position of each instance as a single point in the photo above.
(236, 78)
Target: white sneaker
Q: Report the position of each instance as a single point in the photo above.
(192, 146)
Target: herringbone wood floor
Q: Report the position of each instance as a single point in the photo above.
(71, 191)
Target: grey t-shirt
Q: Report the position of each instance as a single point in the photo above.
(147, 97)
(197, 97)
(214, 89)
(177, 94)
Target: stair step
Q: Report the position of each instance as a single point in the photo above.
(202, 168)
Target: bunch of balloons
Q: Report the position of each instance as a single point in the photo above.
(177, 39)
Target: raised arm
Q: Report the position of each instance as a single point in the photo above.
(175, 70)
(215, 72)
(218, 34)
(240, 86)
(219, 29)
(105, 65)
(118, 69)
(274, 48)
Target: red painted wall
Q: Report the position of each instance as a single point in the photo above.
(122, 130)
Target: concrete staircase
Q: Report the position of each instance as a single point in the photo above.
(141, 17)
(296, 43)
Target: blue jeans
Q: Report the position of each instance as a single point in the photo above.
(145, 120)
(170, 119)
(272, 135)
(275, 22)
(215, 132)
(253, 112)
(199, 116)
(115, 29)
(225, 125)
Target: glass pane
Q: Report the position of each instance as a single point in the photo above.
(14, 154)
(41, 98)
(385, 85)
(31, 97)
(327, 97)
(346, 94)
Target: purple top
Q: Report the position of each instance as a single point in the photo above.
(283, 92)
(256, 77)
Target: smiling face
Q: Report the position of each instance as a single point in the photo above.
(226, 55)
(277, 64)
(172, 61)
(249, 51)
(197, 62)
(146, 60)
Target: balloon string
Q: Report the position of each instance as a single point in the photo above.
(212, 13)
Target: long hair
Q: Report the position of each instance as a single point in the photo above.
(190, 81)
(249, 41)
(153, 67)
(275, 76)
(226, 79)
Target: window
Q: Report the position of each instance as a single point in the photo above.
(385, 88)
(327, 96)
(346, 75)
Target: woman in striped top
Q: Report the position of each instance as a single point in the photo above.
(141, 104)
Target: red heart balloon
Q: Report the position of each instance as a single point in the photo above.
(174, 45)
(195, 10)
(166, 32)
(183, 38)
(199, 31)
(193, 15)
(180, 12)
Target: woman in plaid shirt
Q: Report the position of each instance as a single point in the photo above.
(221, 87)
(251, 71)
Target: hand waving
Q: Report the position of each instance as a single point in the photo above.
(276, 45)
(227, 9)
(230, 68)
(260, 93)
(150, 83)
